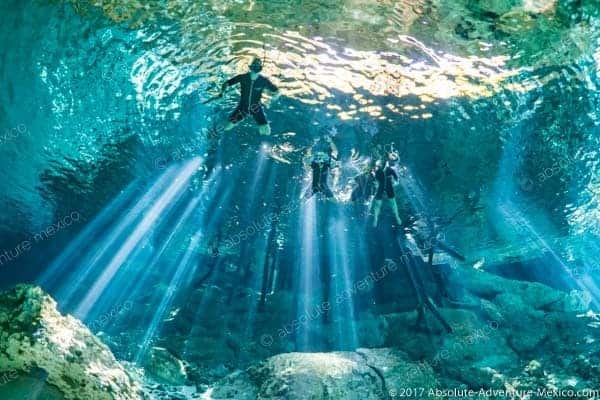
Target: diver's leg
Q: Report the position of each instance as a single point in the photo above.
(234, 118)
(261, 119)
(394, 207)
(376, 211)
(264, 130)
(308, 194)
(327, 192)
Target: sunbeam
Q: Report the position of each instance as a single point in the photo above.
(307, 199)
(165, 200)
(97, 253)
(343, 304)
(53, 271)
(308, 275)
(184, 268)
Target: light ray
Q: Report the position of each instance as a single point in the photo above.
(309, 263)
(151, 216)
(181, 271)
(67, 292)
(52, 272)
(343, 304)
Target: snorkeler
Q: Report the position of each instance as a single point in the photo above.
(252, 85)
(321, 164)
(363, 185)
(362, 189)
(385, 176)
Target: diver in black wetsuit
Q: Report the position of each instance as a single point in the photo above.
(363, 185)
(252, 86)
(385, 176)
(321, 164)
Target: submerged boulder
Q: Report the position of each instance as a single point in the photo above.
(496, 6)
(35, 336)
(502, 327)
(367, 374)
(165, 367)
(531, 295)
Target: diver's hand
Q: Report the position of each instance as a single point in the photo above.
(223, 89)
(273, 98)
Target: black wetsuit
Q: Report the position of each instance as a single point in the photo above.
(251, 93)
(385, 178)
(320, 172)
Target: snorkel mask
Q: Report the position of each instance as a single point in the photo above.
(256, 66)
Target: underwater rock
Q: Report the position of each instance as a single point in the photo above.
(237, 385)
(576, 301)
(399, 334)
(504, 325)
(539, 376)
(537, 296)
(474, 350)
(491, 311)
(534, 295)
(34, 335)
(516, 22)
(480, 283)
(367, 374)
(396, 372)
(27, 386)
(523, 325)
(519, 308)
(497, 6)
(165, 367)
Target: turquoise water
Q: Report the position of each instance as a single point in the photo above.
(122, 202)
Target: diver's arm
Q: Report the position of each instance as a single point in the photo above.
(307, 159)
(275, 95)
(273, 90)
(223, 87)
(395, 179)
(230, 82)
(334, 149)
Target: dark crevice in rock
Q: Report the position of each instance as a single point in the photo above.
(386, 393)
(486, 296)
(548, 307)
